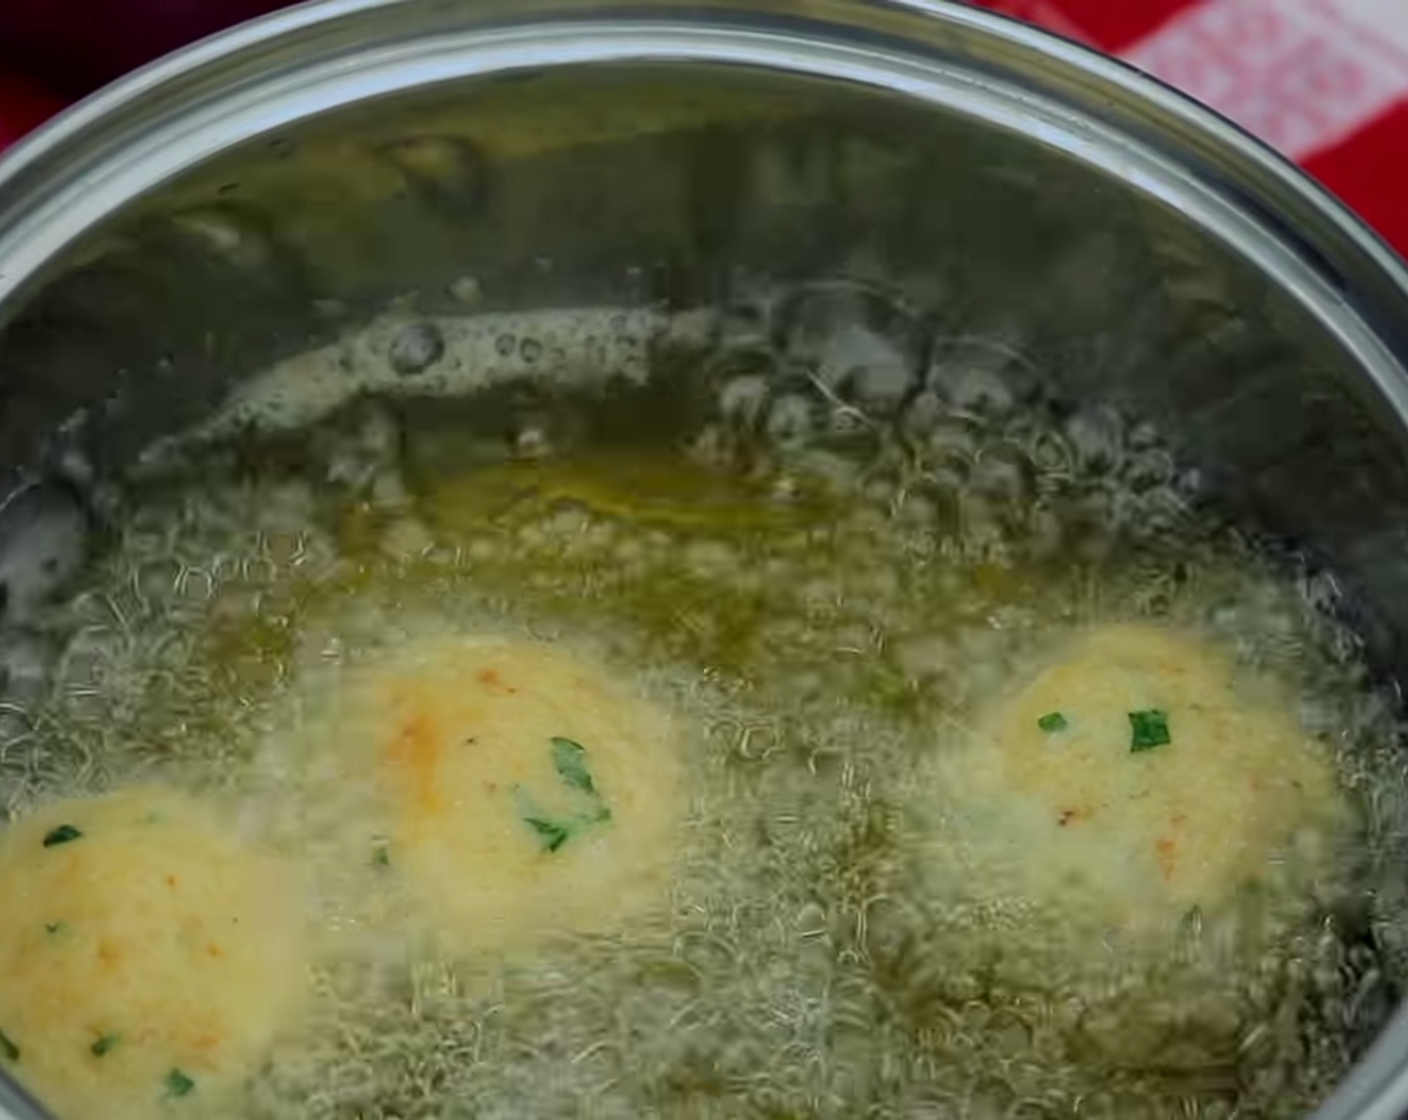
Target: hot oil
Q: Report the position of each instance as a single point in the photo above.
(824, 577)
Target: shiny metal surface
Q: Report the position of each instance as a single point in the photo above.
(202, 217)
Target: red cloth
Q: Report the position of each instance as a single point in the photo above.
(81, 44)
(23, 105)
(1324, 81)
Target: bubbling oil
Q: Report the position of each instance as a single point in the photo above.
(823, 561)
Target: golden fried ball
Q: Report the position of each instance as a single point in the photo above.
(1144, 766)
(522, 791)
(146, 955)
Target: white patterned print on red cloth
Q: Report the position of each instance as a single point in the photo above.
(1301, 74)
